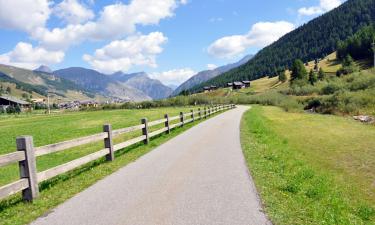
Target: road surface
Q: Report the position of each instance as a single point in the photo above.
(197, 178)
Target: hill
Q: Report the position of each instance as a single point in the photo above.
(206, 75)
(313, 40)
(23, 81)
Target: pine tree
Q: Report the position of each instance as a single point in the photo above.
(312, 77)
(298, 70)
(321, 74)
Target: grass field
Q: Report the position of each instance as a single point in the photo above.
(55, 128)
(311, 169)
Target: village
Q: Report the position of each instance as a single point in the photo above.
(236, 85)
(10, 104)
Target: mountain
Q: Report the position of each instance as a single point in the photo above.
(141, 81)
(101, 83)
(173, 86)
(43, 69)
(41, 82)
(208, 74)
(313, 40)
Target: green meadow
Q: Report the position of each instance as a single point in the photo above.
(310, 168)
(56, 128)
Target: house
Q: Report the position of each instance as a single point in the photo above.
(230, 85)
(89, 104)
(246, 83)
(206, 89)
(213, 87)
(238, 85)
(6, 101)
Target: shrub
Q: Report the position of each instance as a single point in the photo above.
(330, 88)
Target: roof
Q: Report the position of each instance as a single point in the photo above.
(14, 99)
(206, 87)
(237, 83)
(246, 82)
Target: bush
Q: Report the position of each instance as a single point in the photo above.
(330, 88)
(11, 109)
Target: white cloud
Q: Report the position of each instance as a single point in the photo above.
(115, 22)
(324, 6)
(260, 35)
(121, 55)
(73, 12)
(26, 56)
(174, 77)
(25, 15)
(211, 66)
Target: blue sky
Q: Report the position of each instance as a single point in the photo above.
(169, 39)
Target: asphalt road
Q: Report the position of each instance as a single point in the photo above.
(197, 178)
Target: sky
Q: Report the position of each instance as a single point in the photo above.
(171, 40)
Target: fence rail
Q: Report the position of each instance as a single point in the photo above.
(26, 154)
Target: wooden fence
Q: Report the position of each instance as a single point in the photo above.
(26, 153)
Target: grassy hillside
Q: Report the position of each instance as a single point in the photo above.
(311, 169)
(351, 94)
(313, 40)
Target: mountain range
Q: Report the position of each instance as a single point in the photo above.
(206, 75)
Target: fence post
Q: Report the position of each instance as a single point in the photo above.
(205, 112)
(200, 113)
(192, 115)
(108, 142)
(167, 124)
(145, 130)
(182, 119)
(28, 167)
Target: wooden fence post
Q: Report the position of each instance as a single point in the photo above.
(200, 113)
(167, 124)
(108, 142)
(145, 130)
(28, 167)
(192, 115)
(182, 119)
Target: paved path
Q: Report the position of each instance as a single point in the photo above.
(197, 178)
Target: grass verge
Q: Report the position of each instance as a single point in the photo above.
(311, 169)
(14, 211)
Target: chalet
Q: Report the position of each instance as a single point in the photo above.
(246, 83)
(6, 101)
(206, 89)
(89, 104)
(230, 85)
(213, 87)
(238, 85)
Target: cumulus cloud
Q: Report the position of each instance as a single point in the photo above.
(324, 6)
(26, 56)
(174, 77)
(73, 12)
(115, 21)
(211, 66)
(121, 55)
(260, 35)
(25, 15)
